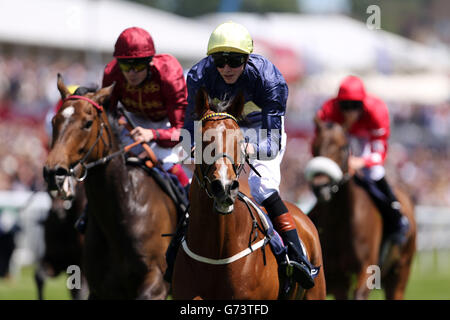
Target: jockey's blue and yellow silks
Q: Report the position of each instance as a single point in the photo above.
(265, 92)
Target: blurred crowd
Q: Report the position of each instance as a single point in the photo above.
(28, 94)
(417, 158)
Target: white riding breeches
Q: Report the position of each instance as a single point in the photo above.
(263, 187)
(361, 148)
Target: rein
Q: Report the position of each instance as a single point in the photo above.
(103, 160)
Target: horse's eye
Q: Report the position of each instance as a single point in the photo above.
(88, 124)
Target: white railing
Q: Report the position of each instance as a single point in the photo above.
(433, 228)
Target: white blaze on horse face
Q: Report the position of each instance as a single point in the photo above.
(68, 112)
(223, 172)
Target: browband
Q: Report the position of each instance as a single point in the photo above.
(95, 104)
(215, 114)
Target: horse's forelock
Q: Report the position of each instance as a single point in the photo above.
(221, 106)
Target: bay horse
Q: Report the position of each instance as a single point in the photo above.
(350, 225)
(124, 255)
(215, 261)
(63, 243)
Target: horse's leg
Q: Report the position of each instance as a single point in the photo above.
(96, 258)
(362, 290)
(154, 286)
(340, 287)
(318, 292)
(396, 279)
(39, 278)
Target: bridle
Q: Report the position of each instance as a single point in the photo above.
(82, 161)
(204, 180)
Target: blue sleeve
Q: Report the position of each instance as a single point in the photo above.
(189, 117)
(273, 108)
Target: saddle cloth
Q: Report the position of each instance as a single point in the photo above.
(168, 183)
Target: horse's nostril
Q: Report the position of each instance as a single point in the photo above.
(60, 171)
(217, 188)
(234, 185)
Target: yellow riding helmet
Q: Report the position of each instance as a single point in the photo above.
(72, 88)
(230, 37)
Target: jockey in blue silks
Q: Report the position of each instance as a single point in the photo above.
(231, 68)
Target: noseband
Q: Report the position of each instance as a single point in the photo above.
(205, 181)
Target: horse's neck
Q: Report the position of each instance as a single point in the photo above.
(343, 199)
(214, 235)
(106, 185)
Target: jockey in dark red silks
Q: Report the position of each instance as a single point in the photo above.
(152, 90)
(366, 118)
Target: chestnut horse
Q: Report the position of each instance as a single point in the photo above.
(124, 256)
(350, 225)
(215, 261)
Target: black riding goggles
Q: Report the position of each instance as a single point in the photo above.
(350, 105)
(137, 65)
(232, 59)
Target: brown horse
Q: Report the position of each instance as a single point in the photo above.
(124, 256)
(350, 225)
(215, 261)
(63, 243)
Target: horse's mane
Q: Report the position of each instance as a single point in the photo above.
(225, 104)
(116, 128)
(220, 106)
(113, 117)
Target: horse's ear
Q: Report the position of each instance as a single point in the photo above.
(62, 87)
(101, 95)
(237, 105)
(201, 102)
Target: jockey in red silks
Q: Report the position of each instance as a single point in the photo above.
(152, 90)
(366, 118)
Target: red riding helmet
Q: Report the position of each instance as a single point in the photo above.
(351, 88)
(134, 43)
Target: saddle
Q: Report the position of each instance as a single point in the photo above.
(276, 243)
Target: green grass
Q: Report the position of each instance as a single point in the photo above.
(23, 287)
(429, 280)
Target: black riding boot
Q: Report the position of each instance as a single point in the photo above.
(285, 226)
(397, 224)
